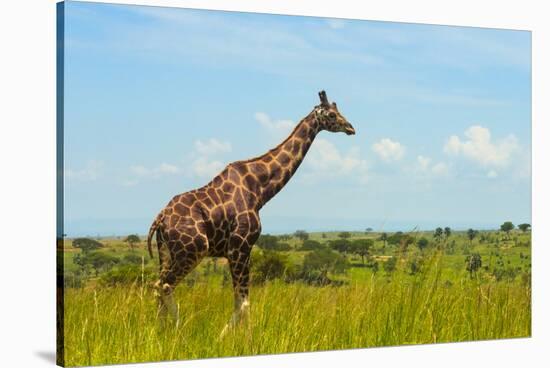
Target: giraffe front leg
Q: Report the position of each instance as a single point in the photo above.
(240, 268)
(167, 306)
(164, 291)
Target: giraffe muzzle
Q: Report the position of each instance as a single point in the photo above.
(349, 129)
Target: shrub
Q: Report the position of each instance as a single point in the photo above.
(311, 245)
(133, 258)
(270, 265)
(422, 243)
(325, 260)
(126, 274)
(473, 263)
(283, 247)
(99, 261)
(132, 240)
(390, 265)
(267, 241)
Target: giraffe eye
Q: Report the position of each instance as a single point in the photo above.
(332, 115)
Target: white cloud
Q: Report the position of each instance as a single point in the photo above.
(440, 169)
(388, 150)
(479, 147)
(424, 167)
(90, 173)
(492, 174)
(212, 147)
(162, 169)
(203, 167)
(277, 127)
(423, 162)
(202, 162)
(325, 160)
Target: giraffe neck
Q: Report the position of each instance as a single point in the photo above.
(282, 161)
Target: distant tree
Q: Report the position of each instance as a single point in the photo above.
(311, 245)
(422, 243)
(268, 265)
(524, 227)
(99, 261)
(87, 244)
(384, 238)
(507, 227)
(395, 238)
(323, 235)
(368, 229)
(325, 260)
(447, 232)
(471, 233)
(340, 245)
(132, 240)
(285, 237)
(133, 258)
(361, 247)
(344, 235)
(301, 234)
(390, 265)
(267, 241)
(438, 234)
(473, 263)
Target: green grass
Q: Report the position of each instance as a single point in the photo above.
(441, 304)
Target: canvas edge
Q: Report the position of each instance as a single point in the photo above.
(60, 64)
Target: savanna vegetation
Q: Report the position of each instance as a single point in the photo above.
(311, 291)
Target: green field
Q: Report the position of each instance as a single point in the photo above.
(429, 297)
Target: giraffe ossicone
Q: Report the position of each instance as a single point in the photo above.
(221, 219)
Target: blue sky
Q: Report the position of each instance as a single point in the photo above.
(158, 100)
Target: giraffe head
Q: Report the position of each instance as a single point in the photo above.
(329, 117)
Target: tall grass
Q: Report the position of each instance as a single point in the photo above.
(119, 325)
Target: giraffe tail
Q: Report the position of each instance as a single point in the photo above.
(154, 227)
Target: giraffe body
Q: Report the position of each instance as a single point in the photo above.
(221, 219)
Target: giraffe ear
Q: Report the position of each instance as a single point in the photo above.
(323, 98)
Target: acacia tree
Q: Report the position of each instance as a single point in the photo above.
(524, 227)
(344, 235)
(340, 245)
(438, 234)
(507, 227)
(361, 247)
(447, 232)
(86, 244)
(301, 234)
(132, 240)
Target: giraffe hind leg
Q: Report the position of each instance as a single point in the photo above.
(178, 261)
(239, 264)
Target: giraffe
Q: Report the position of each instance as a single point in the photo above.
(221, 219)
